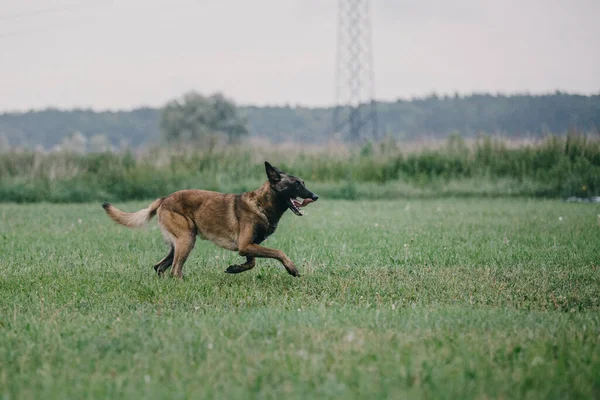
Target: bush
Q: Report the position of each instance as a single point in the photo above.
(557, 167)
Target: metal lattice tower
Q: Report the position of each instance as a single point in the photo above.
(355, 114)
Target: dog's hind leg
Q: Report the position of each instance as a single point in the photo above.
(165, 263)
(183, 248)
(236, 269)
(181, 233)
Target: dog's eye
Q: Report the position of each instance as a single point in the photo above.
(297, 184)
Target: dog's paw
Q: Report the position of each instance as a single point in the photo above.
(235, 269)
(293, 271)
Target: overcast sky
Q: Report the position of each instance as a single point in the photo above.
(128, 53)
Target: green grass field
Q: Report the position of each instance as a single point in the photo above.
(424, 299)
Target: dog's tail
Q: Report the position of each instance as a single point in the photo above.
(135, 219)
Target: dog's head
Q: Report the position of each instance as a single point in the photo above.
(290, 188)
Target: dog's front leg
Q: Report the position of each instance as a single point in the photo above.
(249, 249)
(256, 250)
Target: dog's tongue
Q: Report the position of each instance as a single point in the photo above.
(306, 202)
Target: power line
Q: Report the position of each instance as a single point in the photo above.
(36, 31)
(34, 13)
(42, 11)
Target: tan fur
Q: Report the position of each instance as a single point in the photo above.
(133, 220)
(235, 222)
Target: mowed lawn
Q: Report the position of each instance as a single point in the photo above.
(452, 298)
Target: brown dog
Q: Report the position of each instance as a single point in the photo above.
(237, 222)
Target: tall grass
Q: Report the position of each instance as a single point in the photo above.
(553, 167)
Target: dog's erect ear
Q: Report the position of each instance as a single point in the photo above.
(273, 173)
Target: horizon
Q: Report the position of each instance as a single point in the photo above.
(415, 98)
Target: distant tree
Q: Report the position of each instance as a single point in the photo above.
(195, 117)
(75, 143)
(99, 144)
(510, 115)
(124, 145)
(4, 144)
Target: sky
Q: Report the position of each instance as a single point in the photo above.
(130, 53)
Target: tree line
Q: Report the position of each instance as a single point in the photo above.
(195, 115)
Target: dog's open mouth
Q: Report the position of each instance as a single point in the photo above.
(295, 204)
